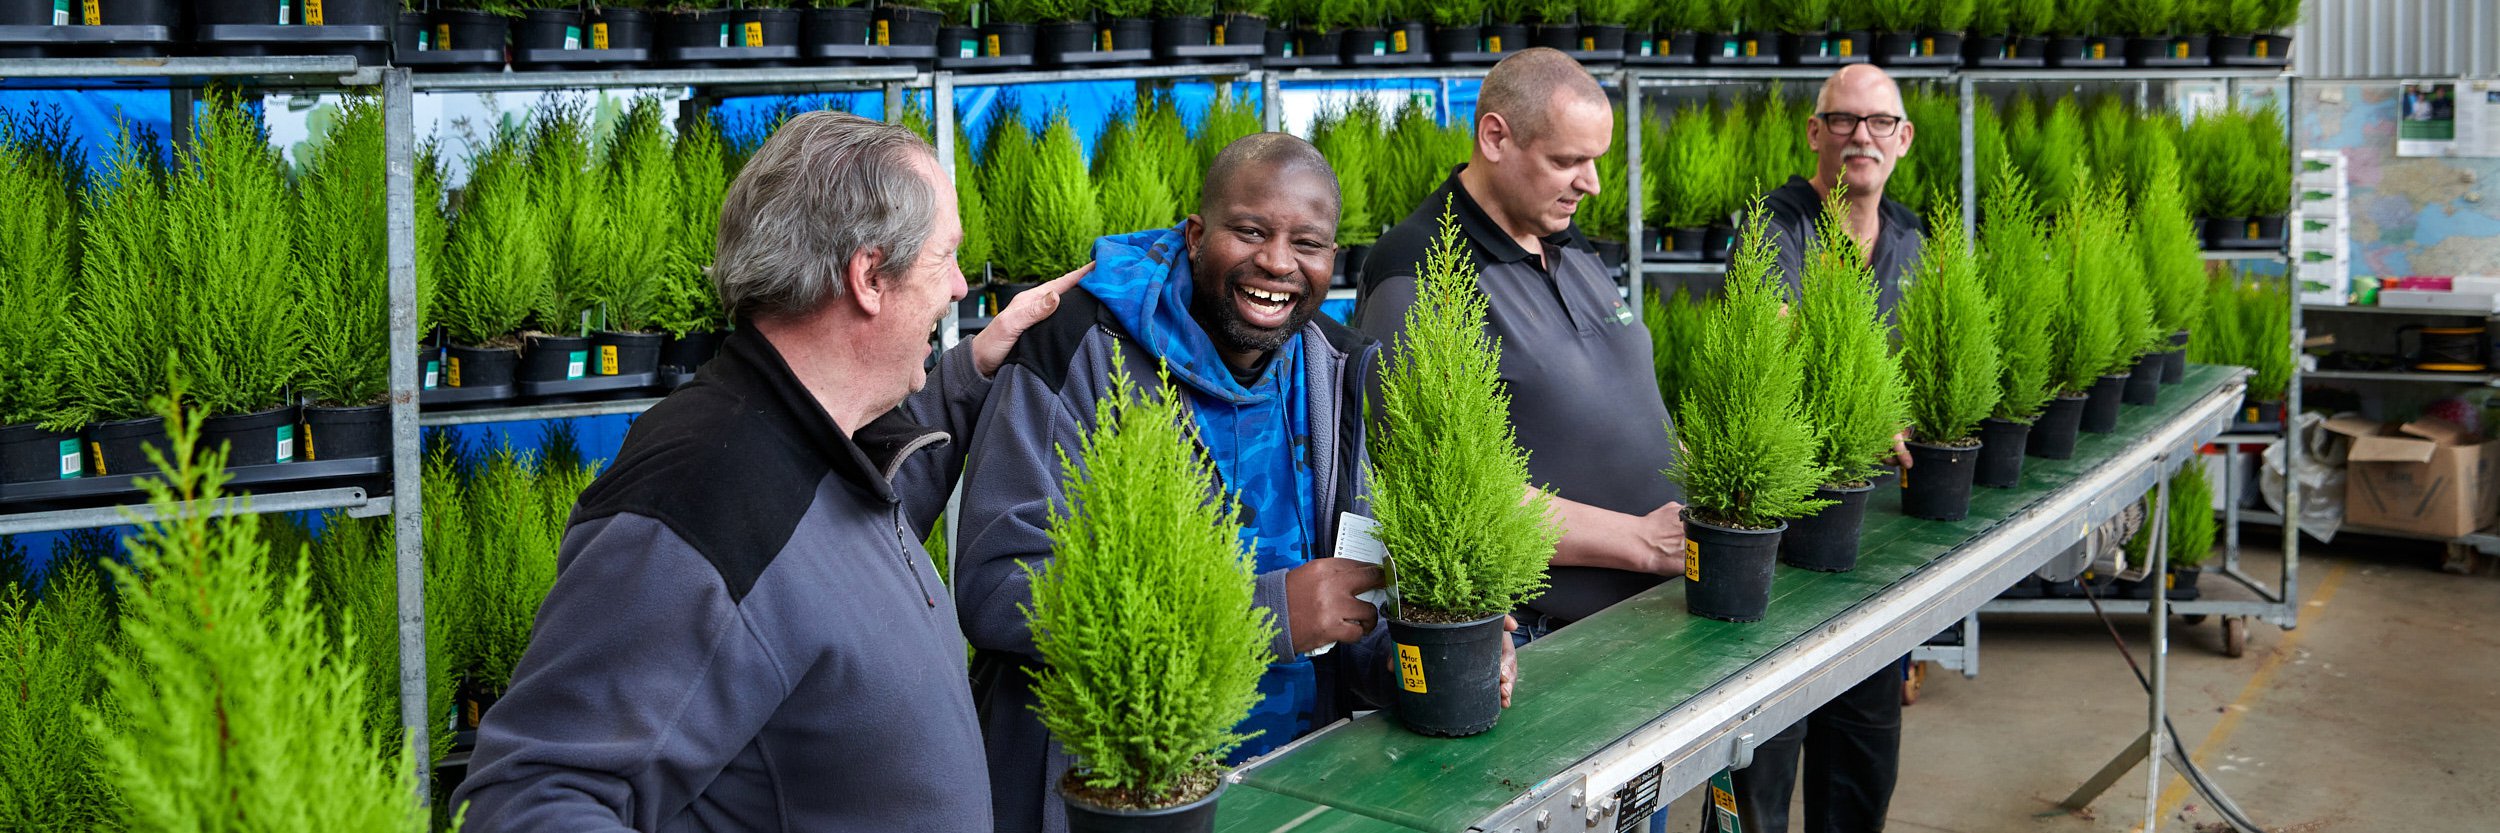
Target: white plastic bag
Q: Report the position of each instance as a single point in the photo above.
(2321, 477)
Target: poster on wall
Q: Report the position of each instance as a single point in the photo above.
(2449, 118)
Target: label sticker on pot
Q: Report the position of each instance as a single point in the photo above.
(1379, 48)
(576, 364)
(98, 448)
(1397, 41)
(442, 37)
(1723, 803)
(1493, 44)
(286, 443)
(572, 37)
(1692, 560)
(433, 373)
(1588, 44)
(312, 12)
(285, 11)
(60, 12)
(451, 372)
(309, 452)
(885, 39)
(599, 36)
(93, 11)
(1649, 48)
(1219, 35)
(70, 460)
(753, 34)
(724, 36)
(1411, 669)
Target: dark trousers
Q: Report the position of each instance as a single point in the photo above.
(1852, 750)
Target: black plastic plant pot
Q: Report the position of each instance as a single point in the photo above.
(30, 454)
(1716, 241)
(26, 12)
(1449, 675)
(690, 351)
(345, 12)
(2183, 583)
(1979, 48)
(1565, 37)
(904, 26)
(254, 439)
(2100, 410)
(1125, 33)
(2267, 227)
(2174, 360)
(625, 354)
(958, 42)
(1606, 38)
(1063, 38)
(1610, 252)
(2143, 381)
(999, 40)
(1175, 32)
(1194, 817)
(2257, 411)
(1318, 43)
(478, 367)
(120, 447)
(1827, 541)
(1728, 570)
(696, 30)
(554, 358)
(612, 27)
(1363, 42)
(409, 33)
(462, 29)
(1503, 38)
(346, 433)
(1692, 240)
(1672, 47)
(2001, 444)
(1456, 40)
(2053, 434)
(847, 26)
(771, 27)
(1276, 43)
(1239, 30)
(544, 30)
(238, 13)
(1936, 486)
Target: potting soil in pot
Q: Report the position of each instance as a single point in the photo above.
(1449, 675)
(1085, 816)
(1827, 541)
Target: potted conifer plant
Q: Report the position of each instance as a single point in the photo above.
(905, 23)
(1506, 26)
(2016, 259)
(1748, 458)
(840, 25)
(2077, 40)
(565, 201)
(1604, 216)
(639, 194)
(1554, 27)
(2095, 350)
(622, 28)
(1062, 215)
(2270, 189)
(2191, 529)
(1129, 181)
(1675, 331)
(2250, 33)
(346, 358)
(1602, 27)
(1668, 33)
(55, 641)
(2144, 338)
(1807, 37)
(1350, 140)
(496, 270)
(2174, 269)
(42, 179)
(2265, 331)
(1950, 357)
(1457, 30)
(545, 32)
(1446, 470)
(1181, 23)
(1145, 556)
(229, 240)
(119, 343)
(1854, 391)
(1007, 167)
(688, 308)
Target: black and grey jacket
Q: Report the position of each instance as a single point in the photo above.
(745, 633)
(1794, 210)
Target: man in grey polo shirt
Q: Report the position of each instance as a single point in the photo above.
(1576, 358)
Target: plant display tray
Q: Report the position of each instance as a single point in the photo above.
(2169, 63)
(1662, 256)
(1113, 58)
(239, 478)
(728, 54)
(456, 60)
(1211, 53)
(1393, 59)
(1918, 60)
(1596, 56)
(569, 58)
(999, 62)
(269, 33)
(2246, 244)
(2064, 62)
(1302, 62)
(865, 52)
(449, 397)
(1681, 59)
(589, 385)
(2251, 61)
(1716, 60)
(86, 35)
(2033, 62)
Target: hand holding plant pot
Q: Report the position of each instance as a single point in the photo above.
(1854, 394)
(1144, 620)
(1949, 357)
(1748, 456)
(1446, 472)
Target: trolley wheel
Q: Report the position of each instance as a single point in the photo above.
(1910, 682)
(2235, 636)
(2195, 619)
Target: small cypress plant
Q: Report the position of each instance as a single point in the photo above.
(1350, 140)
(638, 194)
(1143, 615)
(355, 583)
(1455, 12)
(1675, 331)
(1950, 15)
(1446, 465)
(229, 217)
(2022, 142)
(1007, 166)
(1934, 166)
(686, 301)
(345, 305)
(50, 648)
(121, 336)
(510, 565)
(565, 199)
(2138, 332)
(2077, 18)
(2266, 327)
(973, 206)
(1988, 147)
(1129, 179)
(2108, 128)
(2174, 268)
(235, 712)
(1748, 456)
(2057, 171)
(2093, 336)
(2270, 174)
(1165, 136)
(1949, 341)
(1061, 216)
(2021, 272)
(1795, 16)
(1604, 215)
(1413, 163)
(433, 235)
(1229, 117)
(499, 266)
(2191, 517)
(41, 179)
(2144, 18)
(1684, 157)
(449, 620)
(2222, 165)
(1854, 392)
(2222, 334)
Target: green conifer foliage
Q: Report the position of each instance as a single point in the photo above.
(564, 195)
(355, 583)
(2221, 338)
(973, 207)
(1604, 215)
(637, 193)
(2270, 177)
(1748, 456)
(1061, 216)
(2222, 164)
(236, 712)
(2191, 528)
(1128, 177)
(1739, 180)
(511, 562)
(1950, 15)
(1416, 158)
(2078, 18)
(2033, 17)
(1932, 169)
(1229, 117)
(449, 622)
(1007, 170)
(122, 333)
(2093, 335)
(41, 178)
(2022, 141)
(1143, 614)
(1685, 164)
(1795, 16)
(2137, 331)
(2153, 142)
(2057, 172)
(1854, 391)
(433, 235)
(686, 302)
(2266, 329)
(2108, 129)
(1350, 139)
(1165, 138)
(1675, 333)
(2022, 275)
(345, 304)
(500, 269)
(1949, 342)
(2174, 266)
(229, 218)
(49, 650)
(1446, 466)
(1988, 146)
(1778, 141)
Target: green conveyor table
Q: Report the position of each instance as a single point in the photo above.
(1636, 705)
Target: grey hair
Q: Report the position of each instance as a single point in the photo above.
(826, 187)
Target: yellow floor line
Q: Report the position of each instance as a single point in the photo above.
(2177, 791)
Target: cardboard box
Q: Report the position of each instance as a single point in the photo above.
(2428, 476)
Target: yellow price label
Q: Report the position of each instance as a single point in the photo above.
(607, 360)
(1493, 44)
(1588, 44)
(451, 371)
(442, 40)
(2100, 51)
(1692, 560)
(309, 453)
(1397, 40)
(884, 34)
(1102, 40)
(1753, 48)
(1848, 47)
(1219, 35)
(94, 12)
(990, 46)
(97, 446)
(598, 36)
(1411, 668)
(312, 12)
(2263, 47)
(1725, 800)
(754, 33)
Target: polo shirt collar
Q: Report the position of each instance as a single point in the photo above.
(1477, 225)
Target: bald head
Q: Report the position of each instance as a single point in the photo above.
(1264, 158)
(1527, 88)
(1862, 85)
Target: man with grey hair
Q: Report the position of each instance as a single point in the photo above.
(1851, 746)
(744, 632)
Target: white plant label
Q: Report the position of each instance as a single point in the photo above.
(70, 460)
(286, 443)
(572, 37)
(60, 12)
(577, 364)
(433, 374)
(286, 11)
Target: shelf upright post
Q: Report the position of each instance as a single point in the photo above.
(407, 504)
(942, 126)
(1970, 158)
(1271, 111)
(2291, 394)
(2157, 549)
(1634, 281)
(894, 102)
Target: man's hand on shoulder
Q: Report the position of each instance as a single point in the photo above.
(1030, 307)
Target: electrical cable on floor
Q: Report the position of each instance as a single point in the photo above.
(2204, 785)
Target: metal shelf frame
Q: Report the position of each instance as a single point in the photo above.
(2421, 311)
(523, 413)
(2403, 376)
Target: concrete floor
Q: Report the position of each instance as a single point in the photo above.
(2380, 712)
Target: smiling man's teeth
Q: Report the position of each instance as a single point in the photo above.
(1263, 295)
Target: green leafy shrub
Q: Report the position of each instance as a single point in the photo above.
(1007, 171)
(1350, 140)
(2108, 123)
(1340, 15)
(1993, 19)
(1950, 15)
(345, 303)
(2032, 17)
(1949, 342)
(625, 264)
(2022, 275)
(2174, 268)
(1675, 340)
(235, 711)
(2221, 338)
(1124, 8)
(2142, 18)
(449, 620)
(1778, 142)
(433, 235)
(1143, 615)
(2095, 337)
(2058, 168)
(2153, 142)
(1854, 392)
(2261, 16)
(229, 217)
(1932, 169)
(2077, 18)
(49, 652)
(121, 336)
(1168, 152)
(1739, 179)
(1229, 118)
(1604, 215)
(2191, 527)
(2270, 180)
(355, 583)
(686, 301)
(1795, 16)
(2266, 329)
(1455, 12)
(1415, 159)
(973, 207)
(500, 271)
(2221, 164)
(1889, 15)
(1061, 216)
(564, 194)
(1748, 456)
(1446, 466)
(1609, 12)
(41, 180)
(1988, 148)
(1129, 179)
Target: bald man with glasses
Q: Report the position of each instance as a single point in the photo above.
(1851, 746)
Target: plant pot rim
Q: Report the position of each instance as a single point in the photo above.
(1972, 439)
(1691, 518)
(2121, 375)
(1409, 623)
(1862, 486)
(309, 410)
(1222, 780)
(125, 423)
(2026, 423)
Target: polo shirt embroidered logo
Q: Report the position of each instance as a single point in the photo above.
(1623, 315)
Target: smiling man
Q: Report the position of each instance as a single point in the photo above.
(1228, 303)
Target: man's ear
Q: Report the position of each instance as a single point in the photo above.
(860, 279)
(1192, 230)
(1492, 131)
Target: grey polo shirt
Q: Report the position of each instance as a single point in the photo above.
(1795, 208)
(1583, 394)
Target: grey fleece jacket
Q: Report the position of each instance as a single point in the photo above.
(745, 633)
(1044, 400)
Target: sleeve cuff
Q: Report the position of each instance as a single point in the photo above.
(1270, 594)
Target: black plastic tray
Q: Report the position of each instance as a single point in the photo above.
(674, 379)
(2063, 62)
(2033, 62)
(1392, 59)
(86, 35)
(2250, 61)
(1211, 53)
(1683, 59)
(728, 54)
(1919, 60)
(2249, 244)
(450, 59)
(2170, 63)
(239, 478)
(546, 58)
(1302, 62)
(1113, 58)
(268, 33)
(449, 397)
(590, 385)
(999, 62)
(865, 52)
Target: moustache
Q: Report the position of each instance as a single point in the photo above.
(1856, 151)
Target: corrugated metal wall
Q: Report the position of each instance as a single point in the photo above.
(2398, 39)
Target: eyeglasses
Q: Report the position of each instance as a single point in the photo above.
(1880, 126)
